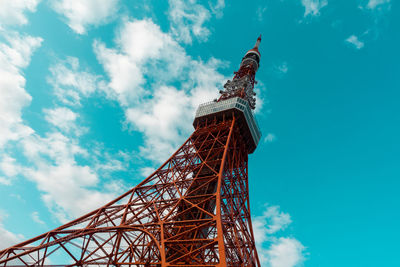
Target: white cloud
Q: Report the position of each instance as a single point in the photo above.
(148, 70)
(5, 181)
(17, 196)
(36, 218)
(285, 252)
(372, 4)
(7, 238)
(312, 7)
(376, 11)
(269, 138)
(67, 174)
(68, 188)
(12, 12)
(14, 56)
(105, 163)
(276, 251)
(146, 171)
(188, 18)
(142, 49)
(270, 222)
(160, 120)
(64, 119)
(81, 14)
(260, 13)
(126, 78)
(218, 7)
(353, 40)
(70, 82)
(55, 146)
(283, 68)
(10, 168)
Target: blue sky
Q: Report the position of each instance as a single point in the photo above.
(96, 94)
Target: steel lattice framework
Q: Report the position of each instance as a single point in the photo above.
(192, 211)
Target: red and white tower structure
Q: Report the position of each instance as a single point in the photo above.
(192, 211)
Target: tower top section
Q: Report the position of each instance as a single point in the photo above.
(254, 50)
(237, 99)
(242, 84)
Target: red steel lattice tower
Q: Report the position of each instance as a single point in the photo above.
(192, 211)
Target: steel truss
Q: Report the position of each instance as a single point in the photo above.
(192, 211)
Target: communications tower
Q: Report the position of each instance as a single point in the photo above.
(192, 211)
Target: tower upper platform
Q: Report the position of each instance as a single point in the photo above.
(237, 99)
(224, 110)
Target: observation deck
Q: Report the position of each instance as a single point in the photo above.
(226, 109)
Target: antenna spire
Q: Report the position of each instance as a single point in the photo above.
(258, 42)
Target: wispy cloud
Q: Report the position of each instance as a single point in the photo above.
(146, 171)
(15, 55)
(12, 12)
(67, 187)
(63, 182)
(269, 138)
(5, 181)
(313, 7)
(280, 69)
(376, 11)
(64, 119)
(81, 14)
(36, 218)
(283, 68)
(218, 7)
(284, 252)
(260, 13)
(71, 82)
(274, 250)
(188, 19)
(148, 70)
(70, 188)
(355, 42)
(271, 221)
(373, 4)
(9, 167)
(51, 159)
(7, 238)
